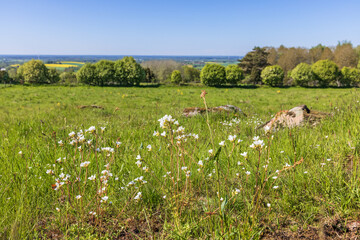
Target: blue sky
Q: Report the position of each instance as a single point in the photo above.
(154, 27)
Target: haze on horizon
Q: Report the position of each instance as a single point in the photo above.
(233, 28)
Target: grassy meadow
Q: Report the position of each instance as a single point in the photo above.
(116, 172)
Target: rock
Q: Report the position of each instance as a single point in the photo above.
(193, 111)
(294, 117)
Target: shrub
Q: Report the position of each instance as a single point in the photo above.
(302, 74)
(33, 71)
(87, 74)
(273, 76)
(325, 72)
(213, 75)
(176, 77)
(349, 76)
(234, 74)
(105, 72)
(53, 76)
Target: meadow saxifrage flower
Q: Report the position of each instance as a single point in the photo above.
(138, 196)
(138, 163)
(92, 177)
(84, 164)
(91, 129)
(232, 138)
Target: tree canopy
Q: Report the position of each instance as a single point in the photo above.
(254, 62)
(273, 76)
(213, 75)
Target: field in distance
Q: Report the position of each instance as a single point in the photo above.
(97, 162)
(65, 64)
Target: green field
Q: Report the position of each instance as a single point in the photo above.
(224, 196)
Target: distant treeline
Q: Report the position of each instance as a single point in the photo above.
(319, 66)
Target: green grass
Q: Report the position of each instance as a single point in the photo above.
(34, 119)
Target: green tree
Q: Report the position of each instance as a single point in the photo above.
(53, 76)
(302, 74)
(213, 75)
(87, 74)
(190, 74)
(273, 76)
(132, 73)
(13, 74)
(254, 62)
(4, 77)
(349, 76)
(68, 78)
(33, 71)
(149, 76)
(325, 72)
(234, 74)
(105, 72)
(176, 77)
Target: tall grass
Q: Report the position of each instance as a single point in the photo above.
(213, 176)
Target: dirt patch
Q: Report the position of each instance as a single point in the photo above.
(328, 229)
(126, 228)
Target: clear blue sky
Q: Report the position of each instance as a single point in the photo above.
(154, 27)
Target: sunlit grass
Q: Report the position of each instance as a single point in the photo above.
(190, 191)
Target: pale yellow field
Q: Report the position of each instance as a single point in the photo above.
(60, 65)
(73, 62)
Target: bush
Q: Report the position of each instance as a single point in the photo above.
(302, 74)
(105, 72)
(213, 75)
(33, 71)
(133, 72)
(273, 76)
(190, 74)
(234, 74)
(349, 76)
(53, 76)
(325, 71)
(87, 74)
(176, 77)
(68, 78)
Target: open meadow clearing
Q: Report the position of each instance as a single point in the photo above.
(71, 170)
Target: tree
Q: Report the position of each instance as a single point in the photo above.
(327, 54)
(291, 57)
(176, 77)
(349, 76)
(87, 74)
(33, 71)
(254, 62)
(53, 76)
(105, 72)
(315, 53)
(132, 72)
(190, 74)
(213, 75)
(162, 68)
(273, 76)
(345, 55)
(68, 78)
(4, 77)
(149, 75)
(302, 74)
(234, 74)
(325, 71)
